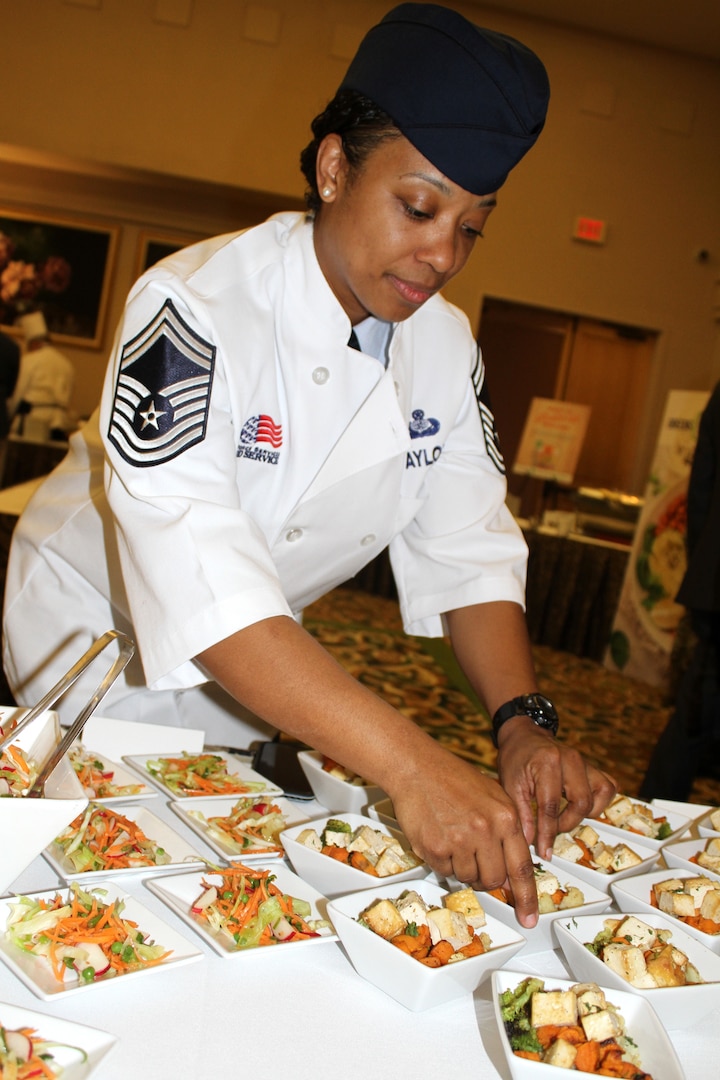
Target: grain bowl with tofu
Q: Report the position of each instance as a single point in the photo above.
(338, 855)
(597, 853)
(383, 933)
(558, 894)
(546, 1026)
(692, 899)
(640, 819)
(648, 955)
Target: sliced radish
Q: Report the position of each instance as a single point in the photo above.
(282, 929)
(208, 897)
(91, 955)
(19, 1045)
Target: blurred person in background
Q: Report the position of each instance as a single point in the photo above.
(40, 401)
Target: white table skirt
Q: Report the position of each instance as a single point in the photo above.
(299, 1014)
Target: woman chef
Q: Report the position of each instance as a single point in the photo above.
(254, 460)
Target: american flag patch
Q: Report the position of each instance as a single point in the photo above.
(162, 393)
(262, 428)
(487, 419)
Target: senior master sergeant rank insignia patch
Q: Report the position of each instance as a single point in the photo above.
(163, 391)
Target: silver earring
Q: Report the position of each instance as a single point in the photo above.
(327, 192)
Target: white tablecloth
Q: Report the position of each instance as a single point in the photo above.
(301, 1014)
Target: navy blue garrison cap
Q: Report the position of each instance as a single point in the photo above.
(472, 101)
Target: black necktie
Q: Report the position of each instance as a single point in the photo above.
(353, 341)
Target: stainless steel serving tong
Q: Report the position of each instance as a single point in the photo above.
(126, 650)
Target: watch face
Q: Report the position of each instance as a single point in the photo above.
(539, 707)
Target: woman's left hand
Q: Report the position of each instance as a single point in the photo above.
(553, 786)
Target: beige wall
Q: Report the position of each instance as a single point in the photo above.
(633, 137)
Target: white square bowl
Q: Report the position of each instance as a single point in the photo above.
(657, 1053)
(678, 823)
(680, 852)
(403, 978)
(705, 826)
(337, 795)
(677, 1006)
(633, 895)
(649, 856)
(27, 826)
(384, 811)
(540, 938)
(333, 878)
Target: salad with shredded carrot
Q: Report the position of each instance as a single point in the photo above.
(24, 1054)
(201, 774)
(17, 771)
(98, 781)
(248, 910)
(251, 826)
(81, 937)
(102, 839)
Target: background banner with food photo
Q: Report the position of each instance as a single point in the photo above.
(647, 617)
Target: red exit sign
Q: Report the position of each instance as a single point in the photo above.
(590, 229)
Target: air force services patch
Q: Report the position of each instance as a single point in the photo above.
(163, 391)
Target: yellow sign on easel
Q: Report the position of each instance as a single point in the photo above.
(552, 440)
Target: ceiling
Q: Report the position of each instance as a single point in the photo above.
(689, 26)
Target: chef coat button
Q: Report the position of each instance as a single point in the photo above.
(293, 535)
(369, 539)
(320, 375)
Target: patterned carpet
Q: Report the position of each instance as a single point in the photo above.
(611, 719)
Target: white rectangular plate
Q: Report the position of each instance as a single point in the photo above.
(183, 855)
(96, 1044)
(185, 808)
(121, 777)
(180, 892)
(37, 975)
(235, 766)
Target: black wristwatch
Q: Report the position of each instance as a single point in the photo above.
(539, 708)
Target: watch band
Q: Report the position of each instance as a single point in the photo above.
(536, 706)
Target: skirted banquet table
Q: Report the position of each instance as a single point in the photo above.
(283, 1011)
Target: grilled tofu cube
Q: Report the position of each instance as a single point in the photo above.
(601, 1025)
(449, 926)
(587, 835)
(392, 861)
(697, 887)
(715, 820)
(663, 968)
(466, 902)
(709, 862)
(641, 824)
(561, 1054)
(618, 809)
(545, 882)
(713, 846)
(624, 857)
(603, 856)
(384, 918)
(678, 904)
(628, 962)
(337, 839)
(310, 838)
(553, 1007)
(565, 847)
(413, 908)
(710, 907)
(590, 998)
(635, 932)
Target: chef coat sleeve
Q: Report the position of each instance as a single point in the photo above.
(463, 546)
(196, 566)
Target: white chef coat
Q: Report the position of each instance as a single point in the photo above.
(45, 380)
(289, 462)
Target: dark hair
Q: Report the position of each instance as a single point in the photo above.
(360, 123)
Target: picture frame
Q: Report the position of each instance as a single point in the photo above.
(154, 246)
(61, 266)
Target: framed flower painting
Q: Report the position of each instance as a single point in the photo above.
(60, 267)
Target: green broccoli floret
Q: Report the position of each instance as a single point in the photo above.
(523, 1040)
(515, 1003)
(334, 825)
